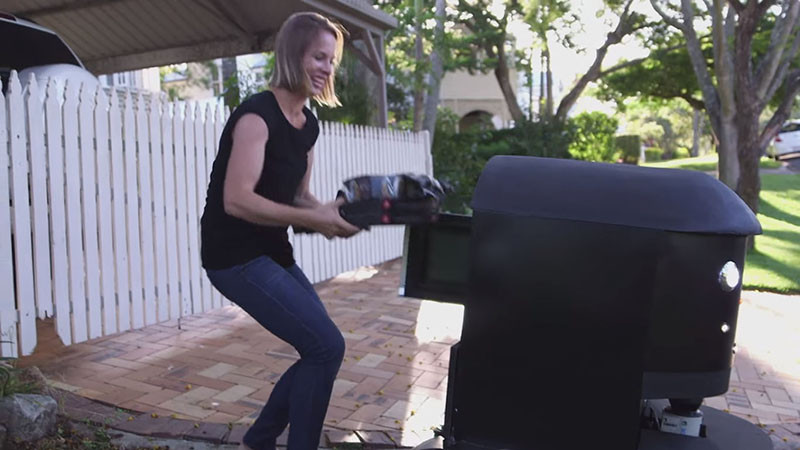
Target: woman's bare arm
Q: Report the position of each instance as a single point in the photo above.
(244, 169)
(304, 198)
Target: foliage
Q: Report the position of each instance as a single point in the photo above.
(666, 74)
(681, 153)
(406, 73)
(488, 45)
(459, 158)
(78, 435)
(747, 76)
(661, 123)
(551, 16)
(232, 91)
(202, 74)
(13, 382)
(478, 39)
(629, 146)
(243, 84)
(5, 378)
(447, 121)
(482, 34)
(593, 137)
(653, 154)
(547, 17)
(357, 106)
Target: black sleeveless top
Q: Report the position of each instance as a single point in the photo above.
(227, 241)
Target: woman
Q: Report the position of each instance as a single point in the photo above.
(259, 186)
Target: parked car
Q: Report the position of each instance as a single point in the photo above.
(788, 140)
(39, 51)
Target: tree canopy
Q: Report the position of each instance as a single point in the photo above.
(744, 78)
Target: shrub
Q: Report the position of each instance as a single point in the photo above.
(459, 158)
(653, 154)
(629, 146)
(593, 137)
(15, 381)
(681, 152)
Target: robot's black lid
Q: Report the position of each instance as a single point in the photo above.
(618, 194)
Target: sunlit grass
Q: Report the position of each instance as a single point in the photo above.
(706, 163)
(774, 265)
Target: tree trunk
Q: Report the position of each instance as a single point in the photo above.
(696, 121)
(549, 71)
(530, 86)
(749, 185)
(501, 73)
(728, 156)
(749, 154)
(542, 82)
(594, 72)
(419, 89)
(437, 71)
(230, 80)
(748, 151)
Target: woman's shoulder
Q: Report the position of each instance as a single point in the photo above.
(260, 104)
(258, 99)
(312, 122)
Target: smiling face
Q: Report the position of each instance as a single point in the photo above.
(307, 50)
(319, 61)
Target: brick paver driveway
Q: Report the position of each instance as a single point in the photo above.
(221, 366)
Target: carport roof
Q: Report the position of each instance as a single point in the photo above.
(117, 35)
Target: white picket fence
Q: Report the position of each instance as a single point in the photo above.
(100, 209)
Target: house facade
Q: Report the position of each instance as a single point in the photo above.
(476, 99)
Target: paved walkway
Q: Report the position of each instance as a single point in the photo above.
(220, 367)
(211, 375)
(765, 383)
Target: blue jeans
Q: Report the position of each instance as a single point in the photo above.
(283, 301)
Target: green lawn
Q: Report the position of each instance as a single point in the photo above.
(774, 265)
(707, 163)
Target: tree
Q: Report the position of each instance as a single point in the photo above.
(629, 22)
(417, 56)
(547, 17)
(230, 77)
(666, 74)
(741, 82)
(487, 43)
(357, 107)
(419, 72)
(437, 70)
(179, 80)
(668, 124)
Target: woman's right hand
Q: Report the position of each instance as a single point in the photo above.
(330, 223)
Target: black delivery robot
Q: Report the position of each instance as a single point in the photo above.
(600, 307)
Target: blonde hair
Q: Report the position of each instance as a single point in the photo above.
(291, 44)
